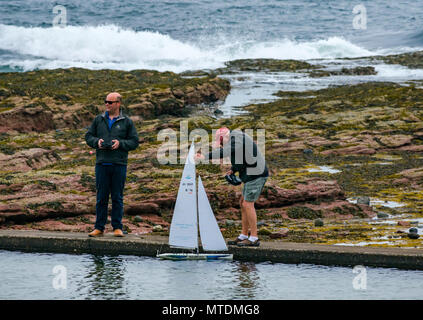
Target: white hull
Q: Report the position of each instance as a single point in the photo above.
(195, 256)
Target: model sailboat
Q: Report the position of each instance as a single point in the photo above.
(190, 214)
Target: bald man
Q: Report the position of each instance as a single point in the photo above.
(247, 160)
(112, 134)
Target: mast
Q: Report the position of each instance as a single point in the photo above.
(198, 217)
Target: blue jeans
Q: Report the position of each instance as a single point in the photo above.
(109, 179)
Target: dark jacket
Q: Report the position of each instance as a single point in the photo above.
(122, 129)
(246, 158)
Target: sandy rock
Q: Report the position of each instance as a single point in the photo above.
(27, 119)
(29, 159)
(395, 141)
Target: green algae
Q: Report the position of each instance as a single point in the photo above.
(412, 60)
(268, 65)
(85, 86)
(56, 205)
(369, 70)
(88, 181)
(301, 212)
(296, 117)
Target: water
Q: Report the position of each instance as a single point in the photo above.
(169, 35)
(179, 35)
(30, 276)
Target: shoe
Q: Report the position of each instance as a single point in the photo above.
(248, 243)
(118, 233)
(234, 242)
(95, 233)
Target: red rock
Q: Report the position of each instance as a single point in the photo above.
(402, 181)
(281, 233)
(142, 208)
(404, 223)
(359, 149)
(412, 148)
(24, 119)
(27, 160)
(318, 141)
(310, 191)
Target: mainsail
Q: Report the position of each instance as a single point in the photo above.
(183, 229)
(210, 234)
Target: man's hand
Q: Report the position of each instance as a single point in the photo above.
(99, 143)
(115, 144)
(198, 157)
(229, 172)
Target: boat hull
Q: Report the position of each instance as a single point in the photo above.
(195, 256)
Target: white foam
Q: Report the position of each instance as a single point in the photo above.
(377, 202)
(110, 46)
(324, 169)
(366, 243)
(398, 71)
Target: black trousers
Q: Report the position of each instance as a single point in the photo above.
(110, 180)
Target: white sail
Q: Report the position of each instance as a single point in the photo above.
(183, 229)
(210, 234)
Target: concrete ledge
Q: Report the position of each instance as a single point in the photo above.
(284, 252)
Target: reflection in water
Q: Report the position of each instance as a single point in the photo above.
(247, 280)
(105, 277)
(29, 276)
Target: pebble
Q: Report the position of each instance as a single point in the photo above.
(413, 230)
(413, 235)
(363, 200)
(230, 222)
(138, 219)
(308, 151)
(157, 228)
(318, 223)
(381, 215)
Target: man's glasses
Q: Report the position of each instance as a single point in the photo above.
(109, 102)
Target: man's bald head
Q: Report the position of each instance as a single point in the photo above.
(113, 101)
(114, 96)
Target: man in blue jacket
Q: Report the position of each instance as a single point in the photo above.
(112, 134)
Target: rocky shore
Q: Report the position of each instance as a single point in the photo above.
(346, 162)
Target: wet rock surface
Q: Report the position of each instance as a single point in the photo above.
(371, 133)
(43, 100)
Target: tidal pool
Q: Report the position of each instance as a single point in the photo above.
(85, 276)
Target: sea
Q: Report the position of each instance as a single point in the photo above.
(177, 36)
(196, 34)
